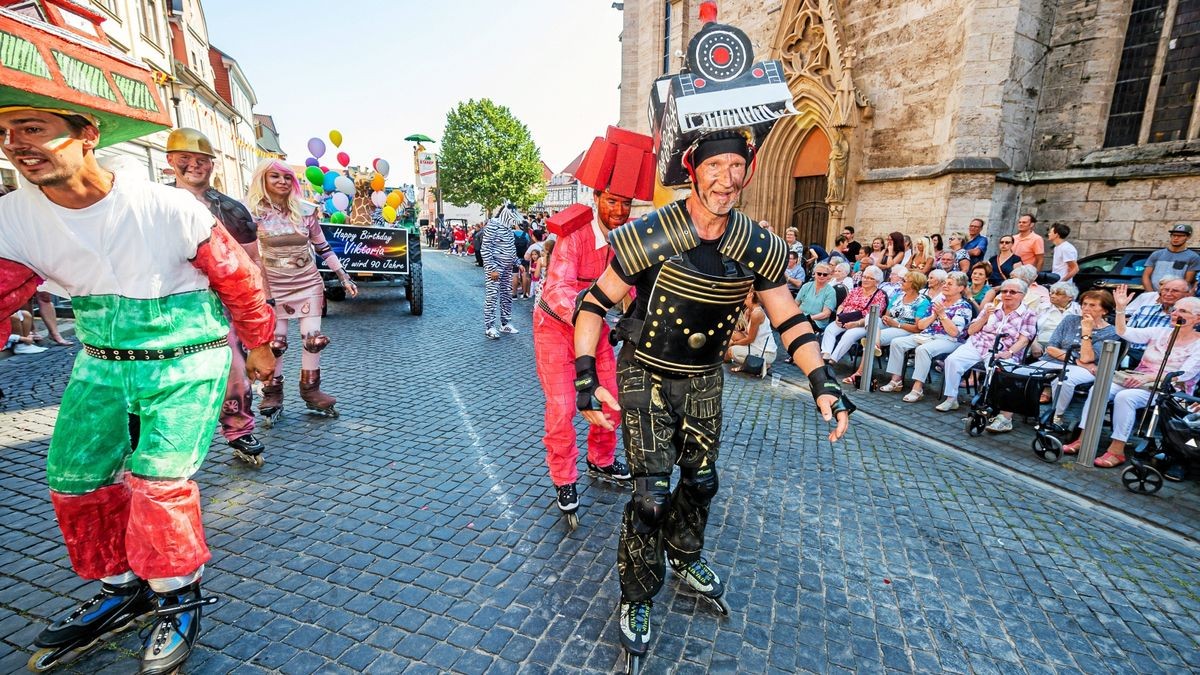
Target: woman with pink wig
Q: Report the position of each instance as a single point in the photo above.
(288, 237)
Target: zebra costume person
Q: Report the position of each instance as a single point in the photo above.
(499, 250)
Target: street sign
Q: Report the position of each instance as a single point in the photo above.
(369, 250)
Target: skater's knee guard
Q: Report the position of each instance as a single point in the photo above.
(699, 484)
(651, 500)
(279, 345)
(315, 341)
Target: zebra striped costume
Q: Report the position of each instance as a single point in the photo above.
(499, 249)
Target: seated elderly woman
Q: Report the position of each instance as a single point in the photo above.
(841, 274)
(906, 308)
(1130, 391)
(939, 334)
(895, 282)
(853, 311)
(933, 285)
(1009, 319)
(817, 298)
(1062, 303)
(753, 337)
(979, 288)
(1087, 330)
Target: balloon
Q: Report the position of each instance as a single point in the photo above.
(337, 218)
(377, 182)
(324, 169)
(389, 214)
(316, 146)
(336, 137)
(329, 207)
(315, 176)
(330, 182)
(383, 167)
(311, 161)
(340, 201)
(378, 198)
(344, 185)
(343, 159)
(394, 199)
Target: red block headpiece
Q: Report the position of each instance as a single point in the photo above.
(622, 162)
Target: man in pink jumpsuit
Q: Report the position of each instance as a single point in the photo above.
(619, 169)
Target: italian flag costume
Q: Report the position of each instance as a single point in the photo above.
(144, 267)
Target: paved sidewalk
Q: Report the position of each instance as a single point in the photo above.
(418, 533)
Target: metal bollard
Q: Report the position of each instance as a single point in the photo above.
(868, 357)
(1093, 417)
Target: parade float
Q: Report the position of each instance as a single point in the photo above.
(371, 227)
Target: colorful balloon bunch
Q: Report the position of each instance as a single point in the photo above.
(338, 186)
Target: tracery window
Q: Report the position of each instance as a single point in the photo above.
(1154, 99)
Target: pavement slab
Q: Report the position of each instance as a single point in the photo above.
(418, 532)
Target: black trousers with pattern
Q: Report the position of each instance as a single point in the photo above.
(665, 422)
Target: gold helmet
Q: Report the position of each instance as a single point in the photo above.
(189, 140)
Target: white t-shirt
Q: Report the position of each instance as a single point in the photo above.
(1064, 253)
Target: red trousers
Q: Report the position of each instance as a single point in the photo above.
(554, 354)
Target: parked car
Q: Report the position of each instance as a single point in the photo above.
(1108, 269)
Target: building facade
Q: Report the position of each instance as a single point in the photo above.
(919, 115)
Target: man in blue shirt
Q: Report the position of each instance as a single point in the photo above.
(977, 244)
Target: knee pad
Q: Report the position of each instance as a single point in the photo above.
(315, 341)
(279, 345)
(699, 484)
(651, 499)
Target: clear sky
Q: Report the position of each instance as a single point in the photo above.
(380, 70)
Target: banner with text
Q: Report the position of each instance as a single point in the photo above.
(370, 250)
(427, 167)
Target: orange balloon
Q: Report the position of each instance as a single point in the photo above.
(377, 182)
(394, 199)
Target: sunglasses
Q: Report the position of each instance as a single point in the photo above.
(1009, 291)
(821, 274)
(1006, 241)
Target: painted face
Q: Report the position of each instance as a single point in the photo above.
(42, 147)
(192, 169)
(278, 183)
(719, 181)
(612, 211)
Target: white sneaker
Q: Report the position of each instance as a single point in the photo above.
(947, 405)
(491, 334)
(508, 328)
(23, 348)
(1000, 425)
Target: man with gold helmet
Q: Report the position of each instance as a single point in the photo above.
(191, 155)
(692, 263)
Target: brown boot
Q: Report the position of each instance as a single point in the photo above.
(310, 392)
(271, 405)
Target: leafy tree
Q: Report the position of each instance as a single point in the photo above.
(489, 158)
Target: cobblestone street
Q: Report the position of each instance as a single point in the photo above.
(418, 532)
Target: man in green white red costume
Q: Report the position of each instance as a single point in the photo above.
(147, 268)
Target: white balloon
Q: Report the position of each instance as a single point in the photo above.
(378, 198)
(341, 201)
(382, 167)
(344, 185)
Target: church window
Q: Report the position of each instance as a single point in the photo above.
(1154, 99)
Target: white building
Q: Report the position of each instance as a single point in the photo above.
(564, 189)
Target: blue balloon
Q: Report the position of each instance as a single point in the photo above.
(329, 207)
(331, 181)
(312, 161)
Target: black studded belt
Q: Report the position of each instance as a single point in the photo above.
(112, 354)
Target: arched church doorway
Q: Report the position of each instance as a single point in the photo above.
(810, 213)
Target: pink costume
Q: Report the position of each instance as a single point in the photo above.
(579, 258)
(287, 256)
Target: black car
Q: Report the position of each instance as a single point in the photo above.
(1113, 267)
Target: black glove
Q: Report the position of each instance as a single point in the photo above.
(586, 383)
(823, 382)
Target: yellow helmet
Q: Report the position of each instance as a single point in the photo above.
(189, 140)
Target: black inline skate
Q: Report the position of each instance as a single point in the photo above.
(616, 473)
(568, 503)
(169, 640)
(635, 633)
(703, 580)
(248, 449)
(115, 608)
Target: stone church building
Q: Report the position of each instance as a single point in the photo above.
(919, 115)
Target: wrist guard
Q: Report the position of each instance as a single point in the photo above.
(823, 382)
(586, 383)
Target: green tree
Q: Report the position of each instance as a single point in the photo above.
(489, 158)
